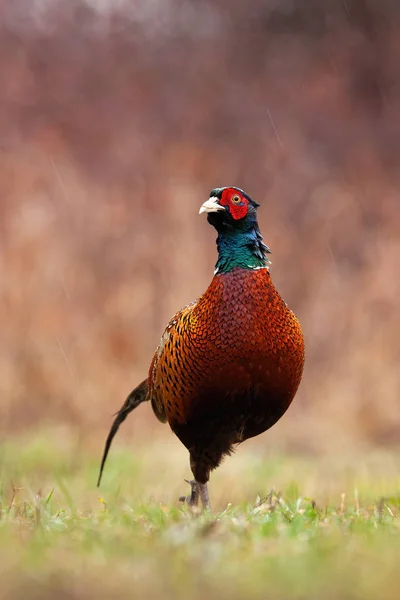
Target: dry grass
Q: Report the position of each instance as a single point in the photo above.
(111, 139)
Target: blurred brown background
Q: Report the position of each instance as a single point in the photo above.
(117, 119)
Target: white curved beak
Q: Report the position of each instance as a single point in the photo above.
(211, 205)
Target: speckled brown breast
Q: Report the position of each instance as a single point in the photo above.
(232, 361)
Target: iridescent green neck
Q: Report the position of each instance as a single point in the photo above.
(241, 249)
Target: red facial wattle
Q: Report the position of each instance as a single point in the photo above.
(238, 210)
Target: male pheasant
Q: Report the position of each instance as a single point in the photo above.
(229, 364)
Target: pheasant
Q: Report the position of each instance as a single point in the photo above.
(229, 364)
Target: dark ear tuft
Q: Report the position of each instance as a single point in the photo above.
(252, 202)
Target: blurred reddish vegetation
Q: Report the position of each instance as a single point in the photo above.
(116, 123)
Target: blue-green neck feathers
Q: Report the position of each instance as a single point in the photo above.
(241, 248)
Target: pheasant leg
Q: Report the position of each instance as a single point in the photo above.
(193, 498)
(205, 500)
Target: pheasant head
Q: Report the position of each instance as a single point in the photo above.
(234, 215)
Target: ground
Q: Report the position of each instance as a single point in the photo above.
(283, 527)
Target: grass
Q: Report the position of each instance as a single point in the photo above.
(328, 529)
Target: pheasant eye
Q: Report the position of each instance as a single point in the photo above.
(236, 199)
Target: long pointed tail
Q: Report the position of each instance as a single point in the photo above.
(136, 397)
